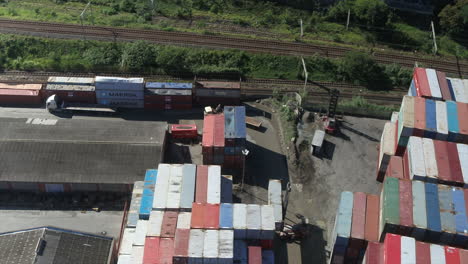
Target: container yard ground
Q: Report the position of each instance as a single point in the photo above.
(84, 221)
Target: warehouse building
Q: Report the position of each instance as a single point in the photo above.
(54, 246)
(49, 155)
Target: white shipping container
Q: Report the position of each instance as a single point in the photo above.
(137, 254)
(394, 117)
(254, 221)
(268, 222)
(175, 187)
(214, 184)
(408, 250)
(239, 223)
(120, 94)
(210, 246)
(387, 145)
(125, 259)
(140, 233)
(406, 120)
(274, 192)
(71, 80)
(437, 254)
(433, 83)
(226, 247)
(278, 211)
(461, 94)
(187, 194)
(161, 188)
(138, 187)
(442, 125)
(463, 156)
(195, 250)
(183, 220)
(155, 223)
(430, 161)
(416, 159)
(126, 242)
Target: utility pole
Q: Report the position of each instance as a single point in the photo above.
(306, 74)
(347, 20)
(434, 37)
(302, 30)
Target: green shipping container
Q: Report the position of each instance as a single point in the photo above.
(389, 208)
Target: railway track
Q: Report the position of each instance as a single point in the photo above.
(48, 29)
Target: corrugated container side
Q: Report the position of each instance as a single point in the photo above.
(419, 116)
(121, 103)
(408, 250)
(395, 168)
(394, 117)
(181, 246)
(255, 255)
(268, 257)
(452, 255)
(241, 129)
(166, 250)
(229, 125)
(358, 215)
(419, 210)
(430, 161)
(151, 252)
(274, 192)
(463, 156)
(140, 233)
(412, 89)
(183, 220)
(218, 136)
(372, 218)
(268, 222)
(239, 221)
(162, 186)
(211, 215)
(342, 230)
(137, 254)
(460, 214)
(416, 159)
(254, 221)
(433, 84)
(423, 253)
(459, 91)
(433, 215)
(70, 80)
(443, 164)
(406, 207)
(443, 85)
(126, 241)
(387, 148)
(374, 253)
(208, 131)
(214, 184)
(437, 254)
(211, 246)
(169, 224)
(455, 168)
(187, 194)
(447, 219)
(421, 83)
(125, 259)
(240, 251)
(201, 184)
(155, 223)
(226, 247)
(392, 249)
(442, 124)
(463, 256)
(431, 119)
(452, 121)
(119, 94)
(226, 189)
(168, 85)
(218, 93)
(175, 185)
(462, 110)
(226, 216)
(407, 121)
(390, 208)
(198, 215)
(195, 250)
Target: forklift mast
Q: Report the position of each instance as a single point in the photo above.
(334, 96)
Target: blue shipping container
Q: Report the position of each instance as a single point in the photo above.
(146, 206)
(431, 120)
(433, 214)
(150, 177)
(447, 218)
(226, 189)
(268, 257)
(412, 88)
(452, 93)
(240, 252)
(225, 216)
(342, 230)
(229, 122)
(240, 126)
(461, 223)
(452, 119)
(230, 151)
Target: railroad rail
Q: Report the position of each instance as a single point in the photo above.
(48, 29)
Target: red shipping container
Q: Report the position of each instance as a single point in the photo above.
(452, 256)
(392, 249)
(20, 97)
(419, 116)
(184, 131)
(218, 136)
(443, 164)
(372, 218)
(356, 242)
(395, 168)
(423, 253)
(211, 216)
(463, 256)
(462, 110)
(255, 255)
(444, 89)
(166, 250)
(198, 216)
(169, 224)
(406, 171)
(406, 207)
(151, 253)
(201, 188)
(374, 253)
(208, 131)
(454, 161)
(181, 244)
(85, 97)
(421, 83)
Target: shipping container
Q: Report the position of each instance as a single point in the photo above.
(342, 229)
(239, 221)
(168, 85)
(419, 116)
(119, 94)
(116, 83)
(394, 117)
(452, 255)
(211, 247)
(254, 221)
(460, 214)
(389, 208)
(433, 214)
(126, 242)
(198, 215)
(433, 84)
(240, 126)
(71, 93)
(174, 188)
(166, 250)
(372, 218)
(155, 223)
(421, 83)
(442, 124)
(395, 168)
(229, 126)
(419, 210)
(443, 164)
(431, 119)
(430, 161)
(20, 97)
(423, 252)
(226, 189)
(268, 257)
(240, 252)
(137, 254)
(268, 222)
(452, 121)
(28, 86)
(169, 224)
(188, 186)
(274, 192)
(151, 252)
(121, 103)
(218, 135)
(406, 207)
(211, 215)
(462, 111)
(437, 254)
(357, 245)
(201, 184)
(459, 91)
(214, 184)
(167, 106)
(374, 253)
(387, 148)
(184, 132)
(125, 259)
(162, 186)
(183, 220)
(181, 246)
(71, 80)
(447, 218)
(255, 255)
(208, 134)
(226, 216)
(417, 169)
(443, 85)
(195, 251)
(456, 173)
(140, 233)
(132, 219)
(392, 249)
(406, 120)
(146, 205)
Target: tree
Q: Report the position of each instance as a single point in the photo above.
(454, 18)
(369, 12)
(138, 55)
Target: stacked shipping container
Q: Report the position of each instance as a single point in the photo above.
(214, 93)
(213, 139)
(166, 96)
(20, 94)
(235, 133)
(120, 92)
(71, 89)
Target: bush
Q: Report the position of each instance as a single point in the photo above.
(138, 55)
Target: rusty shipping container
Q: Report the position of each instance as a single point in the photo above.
(20, 97)
(71, 93)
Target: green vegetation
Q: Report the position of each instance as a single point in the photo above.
(360, 106)
(372, 22)
(31, 53)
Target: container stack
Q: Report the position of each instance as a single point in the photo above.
(213, 139)
(356, 224)
(120, 92)
(20, 94)
(148, 194)
(167, 96)
(128, 236)
(71, 89)
(235, 133)
(401, 249)
(275, 199)
(214, 93)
